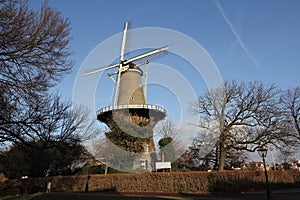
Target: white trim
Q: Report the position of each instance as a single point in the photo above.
(120, 107)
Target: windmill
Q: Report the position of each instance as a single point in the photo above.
(129, 73)
(129, 111)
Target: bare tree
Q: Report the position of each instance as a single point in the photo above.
(205, 153)
(286, 154)
(34, 56)
(50, 133)
(111, 155)
(168, 129)
(242, 116)
(291, 108)
(47, 119)
(34, 47)
(101, 150)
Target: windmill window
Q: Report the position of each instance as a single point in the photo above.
(131, 98)
(143, 163)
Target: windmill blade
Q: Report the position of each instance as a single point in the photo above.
(149, 58)
(151, 55)
(128, 40)
(101, 69)
(125, 38)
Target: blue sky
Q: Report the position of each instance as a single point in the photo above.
(247, 40)
(262, 41)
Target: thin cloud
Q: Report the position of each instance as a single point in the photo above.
(249, 54)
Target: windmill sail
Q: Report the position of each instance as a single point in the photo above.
(125, 42)
(128, 84)
(101, 69)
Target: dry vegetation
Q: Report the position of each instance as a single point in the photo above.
(183, 182)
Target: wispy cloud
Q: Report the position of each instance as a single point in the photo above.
(238, 38)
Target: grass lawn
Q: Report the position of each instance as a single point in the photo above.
(90, 196)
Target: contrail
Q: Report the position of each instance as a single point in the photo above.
(249, 54)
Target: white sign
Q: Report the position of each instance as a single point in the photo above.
(162, 165)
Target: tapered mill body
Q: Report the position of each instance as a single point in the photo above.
(129, 113)
(131, 92)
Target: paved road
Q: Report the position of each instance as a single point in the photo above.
(290, 194)
(287, 194)
(254, 196)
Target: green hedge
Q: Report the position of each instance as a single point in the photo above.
(174, 182)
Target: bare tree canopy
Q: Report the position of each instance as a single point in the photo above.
(242, 116)
(291, 108)
(34, 47)
(34, 56)
(168, 128)
(46, 119)
(170, 141)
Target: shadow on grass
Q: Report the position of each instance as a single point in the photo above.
(84, 196)
(25, 197)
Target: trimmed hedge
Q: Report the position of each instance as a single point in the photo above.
(174, 182)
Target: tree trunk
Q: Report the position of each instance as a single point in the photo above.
(106, 169)
(216, 159)
(222, 157)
